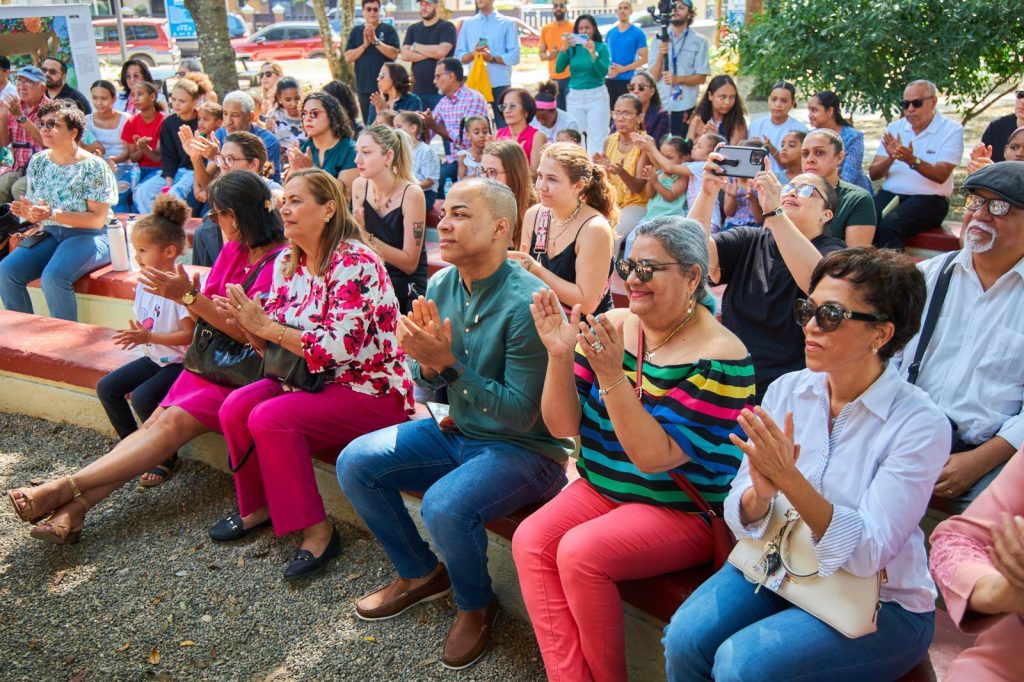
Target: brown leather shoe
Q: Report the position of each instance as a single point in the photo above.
(467, 641)
(437, 587)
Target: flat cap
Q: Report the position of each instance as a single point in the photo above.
(1004, 179)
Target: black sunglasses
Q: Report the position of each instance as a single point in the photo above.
(1020, 94)
(829, 315)
(916, 103)
(637, 87)
(644, 269)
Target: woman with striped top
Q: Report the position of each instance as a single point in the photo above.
(626, 518)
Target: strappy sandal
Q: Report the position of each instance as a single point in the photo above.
(163, 470)
(25, 505)
(60, 534)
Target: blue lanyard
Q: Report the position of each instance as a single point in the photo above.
(676, 50)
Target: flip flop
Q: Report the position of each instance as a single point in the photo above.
(163, 470)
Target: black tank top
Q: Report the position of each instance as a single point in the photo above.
(563, 264)
(390, 229)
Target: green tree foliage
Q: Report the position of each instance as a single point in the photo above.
(867, 50)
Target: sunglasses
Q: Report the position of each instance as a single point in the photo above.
(52, 72)
(829, 315)
(638, 87)
(1020, 94)
(49, 124)
(312, 114)
(644, 269)
(996, 207)
(511, 106)
(916, 103)
(802, 191)
(267, 74)
(491, 173)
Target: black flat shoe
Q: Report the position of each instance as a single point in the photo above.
(231, 528)
(304, 564)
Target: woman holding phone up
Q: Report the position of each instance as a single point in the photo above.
(588, 58)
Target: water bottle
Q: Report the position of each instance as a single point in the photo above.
(447, 186)
(128, 227)
(136, 175)
(119, 260)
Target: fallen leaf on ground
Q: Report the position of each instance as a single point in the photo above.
(213, 652)
(58, 577)
(78, 677)
(124, 647)
(157, 600)
(33, 643)
(206, 618)
(181, 574)
(187, 642)
(68, 660)
(370, 638)
(154, 656)
(241, 561)
(36, 481)
(353, 576)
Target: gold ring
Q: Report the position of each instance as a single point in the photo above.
(238, 307)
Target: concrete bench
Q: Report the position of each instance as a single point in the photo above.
(934, 241)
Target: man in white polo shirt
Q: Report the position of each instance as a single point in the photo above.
(916, 158)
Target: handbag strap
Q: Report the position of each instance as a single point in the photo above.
(684, 483)
(931, 318)
(251, 279)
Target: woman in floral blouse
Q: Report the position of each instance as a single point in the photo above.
(332, 304)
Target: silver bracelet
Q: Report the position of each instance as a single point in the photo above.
(605, 391)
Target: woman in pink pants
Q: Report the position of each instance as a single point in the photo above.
(977, 559)
(626, 518)
(332, 304)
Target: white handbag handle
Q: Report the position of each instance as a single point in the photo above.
(792, 519)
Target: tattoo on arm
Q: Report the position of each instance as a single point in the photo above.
(417, 233)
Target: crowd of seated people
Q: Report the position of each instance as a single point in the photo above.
(838, 378)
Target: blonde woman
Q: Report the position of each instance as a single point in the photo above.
(389, 204)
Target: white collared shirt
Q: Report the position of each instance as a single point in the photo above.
(941, 142)
(973, 367)
(877, 468)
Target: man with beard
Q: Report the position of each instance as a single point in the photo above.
(688, 67)
(426, 43)
(57, 87)
(973, 334)
(915, 160)
(551, 43)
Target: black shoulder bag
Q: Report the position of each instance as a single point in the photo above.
(220, 359)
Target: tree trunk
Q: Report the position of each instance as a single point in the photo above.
(211, 19)
(333, 58)
(347, 12)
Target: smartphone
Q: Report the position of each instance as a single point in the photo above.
(482, 42)
(439, 411)
(578, 39)
(741, 162)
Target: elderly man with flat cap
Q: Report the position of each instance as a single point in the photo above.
(968, 354)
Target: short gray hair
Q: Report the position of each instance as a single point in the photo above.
(191, 64)
(500, 200)
(687, 244)
(243, 99)
(932, 90)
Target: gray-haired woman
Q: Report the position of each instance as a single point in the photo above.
(626, 517)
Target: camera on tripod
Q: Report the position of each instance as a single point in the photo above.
(662, 14)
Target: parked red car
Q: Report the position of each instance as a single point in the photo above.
(147, 40)
(284, 40)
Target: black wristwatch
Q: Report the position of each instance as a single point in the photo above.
(449, 375)
(916, 164)
(771, 214)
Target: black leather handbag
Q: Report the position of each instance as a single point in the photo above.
(220, 359)
(291, 370)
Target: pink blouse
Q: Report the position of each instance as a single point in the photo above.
(525, 138)
(959, 561)
(349, 318)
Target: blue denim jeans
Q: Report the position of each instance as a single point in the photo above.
(62, 258)
(465, 484)
(150, 188)
(724, 631)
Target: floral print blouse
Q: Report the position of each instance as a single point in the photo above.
(349, 318)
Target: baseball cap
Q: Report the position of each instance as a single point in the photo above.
(32, 73)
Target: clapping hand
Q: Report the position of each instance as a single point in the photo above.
(556, 333)
(601, 343)
(981, 156)
(13, 105)
(425, 338)
(248, 312)
(171, 285)
(601, 159)
(135, 335)
(771, 452)
(298, 159)
(379, 101)
(145, 142)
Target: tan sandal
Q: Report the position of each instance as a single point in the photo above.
(25, 505)
(60, 534)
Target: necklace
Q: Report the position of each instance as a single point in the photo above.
(382, 206)
(649, 353)
(564, 224)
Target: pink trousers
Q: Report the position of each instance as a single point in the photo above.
(287, 428)
(570, 553)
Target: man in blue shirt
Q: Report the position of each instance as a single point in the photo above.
(493, 35)
(239, 116)
(628, 46)
(476, 337)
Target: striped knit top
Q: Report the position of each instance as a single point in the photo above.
(697, 404)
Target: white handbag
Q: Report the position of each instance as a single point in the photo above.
(784, 562)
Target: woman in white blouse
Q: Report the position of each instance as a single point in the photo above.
(856, 451)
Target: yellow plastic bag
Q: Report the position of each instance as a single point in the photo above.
(479, 80)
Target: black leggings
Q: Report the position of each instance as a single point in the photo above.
(146, 381)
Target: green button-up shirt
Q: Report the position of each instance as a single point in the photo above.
(497, 396)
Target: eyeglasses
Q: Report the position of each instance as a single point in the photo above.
(49, 124)
(644, 269)
(638, 87)
(491, 173)
(916, 103)
(1020, 94)
(996, 207)
(511, 106)
(213, 213)
(267, 74)
(829, 315)
(312, 113)
(371, 10)
(802, 191)
(229, 160)
(623, 114)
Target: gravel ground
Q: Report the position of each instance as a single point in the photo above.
(146, 595)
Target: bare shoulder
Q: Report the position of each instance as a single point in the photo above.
(722, 344)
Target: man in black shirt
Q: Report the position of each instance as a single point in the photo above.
(426, 43)
(370, 47)
(56, 72)
(768, 268)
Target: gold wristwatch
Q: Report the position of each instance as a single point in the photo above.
(189, 297)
